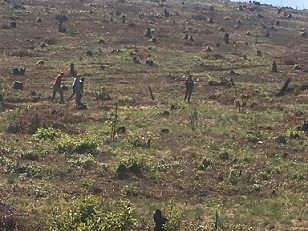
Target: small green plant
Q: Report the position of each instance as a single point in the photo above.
(240, 104)
(29, 170)
(221, 29)
(206, 162)
(177, 106)
(65, 144)
(293, 134)
(88, 184)
(143, 161)
(297, 67)
(112, 121)
(254, 136)
(175, 218)
(303, 32)
(47, 134)
(129, 191)
(86, 144)
(136, 139)
(154, 39)
(85, 161)
(103, 96)
(303, 126)
(39, 190)
(126, 99)
(71, 31)
(193, 117)
(102, 40)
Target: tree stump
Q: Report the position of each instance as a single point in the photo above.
(274, 67)
(284, 88)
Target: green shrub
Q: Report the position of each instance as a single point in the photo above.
(84, 144)
(129, 191)
(293, 134)
(85, 161)
(65, 144)
(29, 170)
(177, 106)
(89, 214)
(46, 134)
(142, 160)
(154, 39)
(136, 139)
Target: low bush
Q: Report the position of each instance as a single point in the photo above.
(90, 214)
(47, 134)
(68, 144)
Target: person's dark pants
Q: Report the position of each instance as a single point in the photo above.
(78, 98)
(54, 91)
(188, 93)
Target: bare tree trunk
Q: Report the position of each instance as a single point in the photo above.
(151, 93)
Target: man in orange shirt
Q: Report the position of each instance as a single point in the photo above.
(57, 87)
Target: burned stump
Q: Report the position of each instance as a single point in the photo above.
(283, 90)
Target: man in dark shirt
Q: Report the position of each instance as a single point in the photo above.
(57, 87)
(159, 221)
(189, 84)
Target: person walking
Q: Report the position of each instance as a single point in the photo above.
(57, 87)
(189, 85)
(75, 89)
(80, 91)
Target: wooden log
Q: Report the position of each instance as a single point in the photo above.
(151, 93)
(284, 88)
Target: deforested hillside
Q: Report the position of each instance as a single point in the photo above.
(131, 140)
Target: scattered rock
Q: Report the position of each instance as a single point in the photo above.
(164, 131)
(18, 85)
(19, 71)
(165, 113)
(135, 169)
(224, 156)
(259, 53)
